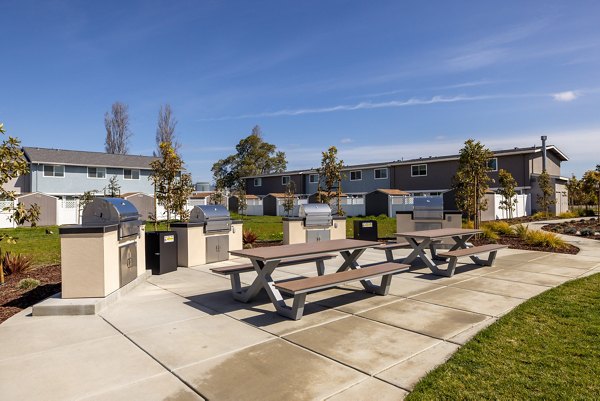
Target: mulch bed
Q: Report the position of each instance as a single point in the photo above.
(13, 299)
(593, 224)
(517, 243)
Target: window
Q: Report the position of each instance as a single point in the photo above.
(381, 173)
(356, 175)
(258, 182)
(313, 178)
(54, 171)
(418, 170)
(493, 164)
(285, 180)
(96, 172)
(130, 174)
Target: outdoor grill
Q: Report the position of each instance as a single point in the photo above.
(316, 215)
(215, 218)
(428, 208)
(108, 211)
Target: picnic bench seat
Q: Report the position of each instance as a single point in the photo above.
(299, 288)
(471, 252)
(388, 248)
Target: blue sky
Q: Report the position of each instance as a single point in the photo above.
(381, 80)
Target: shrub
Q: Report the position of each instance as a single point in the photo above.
(585, 212)
(568, 215)
(544, 239)
(28, 283)
(500, 227)
(18, 263)
(468, 224)
(489, 233)
(539, 216)
(249, 237)
(586, 232)
(570, 230)
(521, 230)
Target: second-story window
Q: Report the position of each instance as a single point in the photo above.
(285, 180)
(492, 164)
(313, 178)
(356, 175)
(381, 173)
(418, 170)
(96, 172)
(130, 174)
(258, 182)
(54, 170)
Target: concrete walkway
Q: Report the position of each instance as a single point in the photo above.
(181, 336)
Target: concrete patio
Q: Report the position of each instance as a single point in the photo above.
(181, 336)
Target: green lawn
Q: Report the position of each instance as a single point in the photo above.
(547, 348)
(271, 227)
(43, 248)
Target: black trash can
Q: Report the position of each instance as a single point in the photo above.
(365, 230)
(161, 251)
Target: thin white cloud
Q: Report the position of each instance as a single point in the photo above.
(358, 106)
(567, 96)
(347, 140)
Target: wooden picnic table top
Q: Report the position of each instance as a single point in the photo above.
(289, 251)
(439, 233)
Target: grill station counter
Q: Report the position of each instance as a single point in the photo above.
(428, 214)
(314, 223)
(208, 236)
(105, 252)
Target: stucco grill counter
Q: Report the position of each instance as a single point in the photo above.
(208, 237)
(315, 223)
(105, 252)
(428, 214)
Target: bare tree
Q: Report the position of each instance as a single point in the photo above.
(165, 131)
(117, 129)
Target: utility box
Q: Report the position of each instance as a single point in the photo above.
(365, 230)
(161, 252)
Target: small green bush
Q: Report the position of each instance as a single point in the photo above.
(570, 230)
(489, 233)
(544, 239)
(28, 283)
(500, 227)
(586, 232)
(585, 212)
(521, 230)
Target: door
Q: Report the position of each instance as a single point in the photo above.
(317, 235)
(217, 248)
(128, 264)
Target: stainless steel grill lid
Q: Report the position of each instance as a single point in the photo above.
(428, 208)
(104, 211)
(316, 214)
(214, 217)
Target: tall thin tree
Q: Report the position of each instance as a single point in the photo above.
(165, 130)
(117, 129)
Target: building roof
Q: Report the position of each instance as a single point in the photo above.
(85, 158)
(201, 195)
(503, 152)
(392, 192)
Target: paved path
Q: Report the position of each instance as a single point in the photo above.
(587, 247)
(181, 336)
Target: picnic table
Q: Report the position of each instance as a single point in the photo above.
(421, 240)
(265, 261)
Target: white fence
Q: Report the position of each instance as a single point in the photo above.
(400, 204)
(494, 212)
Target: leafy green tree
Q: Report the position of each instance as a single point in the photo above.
(288, 200)
(242, 202)
(253, 156)
(506, 189)
(217, 197)
(21, 215)
(113, 189)
(471, 180)
(546, 197)
(590, 183)
(330, 178)
(575, 191)
(172, 187)
(12, 165)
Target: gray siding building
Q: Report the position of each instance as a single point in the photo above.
(69, 173)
